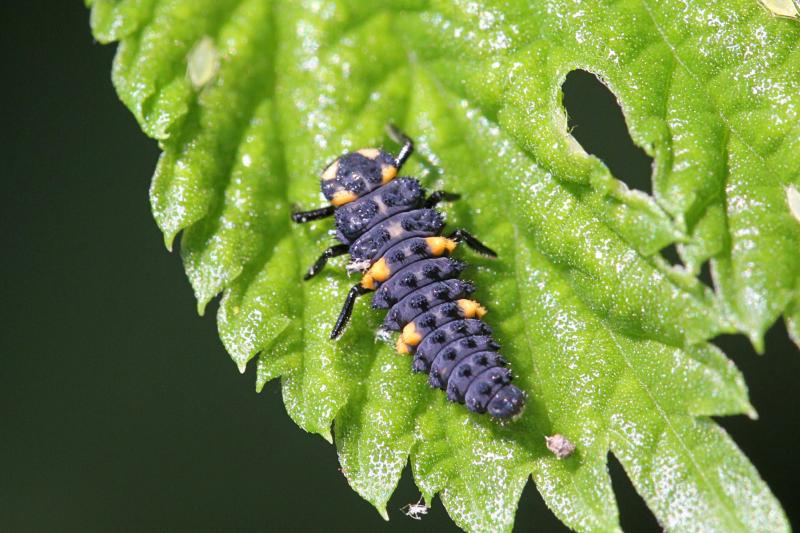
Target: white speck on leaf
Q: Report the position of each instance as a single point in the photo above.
(203, 62)
(793, 197)
(782, 8)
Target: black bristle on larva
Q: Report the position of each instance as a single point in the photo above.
(393, 235)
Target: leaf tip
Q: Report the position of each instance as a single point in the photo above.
(793, 325)
(757, 340)
(169, 240)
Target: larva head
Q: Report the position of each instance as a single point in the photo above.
(357, 173)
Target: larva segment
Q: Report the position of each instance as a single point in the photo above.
(374, 242)
(423, 299)
(408, 251)
(364, 213)
(425, 323)
(441, 337)
(453, 354)
(465, 371)
(484, 386)
(413, 277)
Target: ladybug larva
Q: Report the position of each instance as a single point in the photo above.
(393, 234)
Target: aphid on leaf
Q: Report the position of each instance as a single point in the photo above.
(415, 510)
(393, 234)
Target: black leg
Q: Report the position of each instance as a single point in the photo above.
(461, 235)
(400, 138)
(441, 196)
(314, 214)
(347, 310)
(333, 251)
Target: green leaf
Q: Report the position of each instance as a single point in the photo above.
(249, 99)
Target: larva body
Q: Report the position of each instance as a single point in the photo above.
(394, 237)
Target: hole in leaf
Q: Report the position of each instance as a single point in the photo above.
(633, 512)
(596, 121)
(670, 253)
(533, 510)
(407, 494)
(770, 442)
(705, 274)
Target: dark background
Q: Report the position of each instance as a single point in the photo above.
(119, 409)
